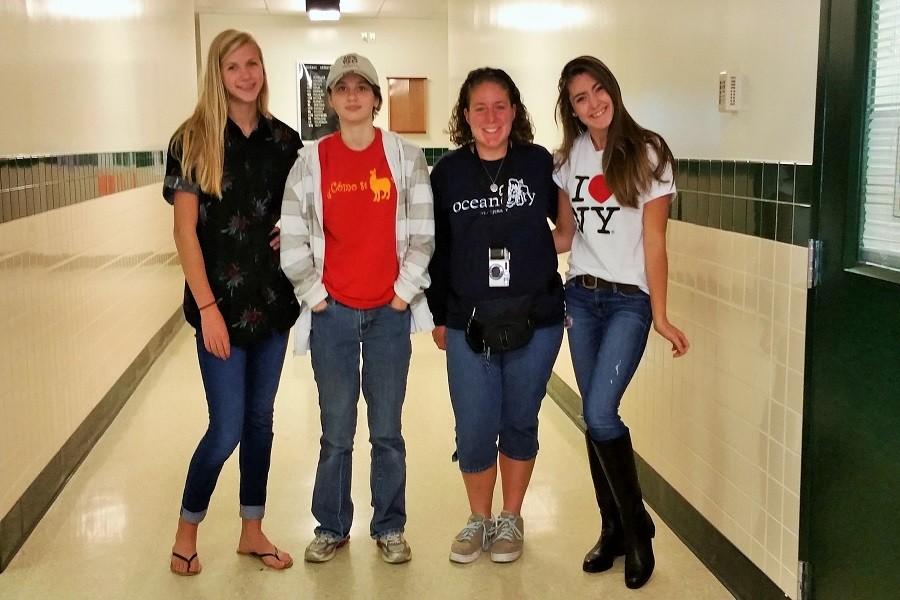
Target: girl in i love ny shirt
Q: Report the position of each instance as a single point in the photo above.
(618, 177)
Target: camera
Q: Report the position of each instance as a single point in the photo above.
(498, 267)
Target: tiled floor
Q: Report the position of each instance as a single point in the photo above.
(109, 532)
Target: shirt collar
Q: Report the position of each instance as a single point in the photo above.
(263, 128)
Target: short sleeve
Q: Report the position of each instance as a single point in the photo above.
(436, 176)
(553, 196)
(560, 173)
(665, 186)
(296, 145)
(175, 180)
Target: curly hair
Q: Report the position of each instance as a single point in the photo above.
(459, 130)
(626, 164)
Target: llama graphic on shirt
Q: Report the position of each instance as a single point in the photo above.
(518, 193)
(380, 186)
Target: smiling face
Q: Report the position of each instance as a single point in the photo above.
(490, 116)
(592, 104)
(353, 99)
(243, 75)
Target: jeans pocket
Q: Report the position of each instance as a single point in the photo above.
(633, 295)
(329, 302)
(395, 311)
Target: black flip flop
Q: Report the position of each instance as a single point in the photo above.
(262, 555)
(188, 561)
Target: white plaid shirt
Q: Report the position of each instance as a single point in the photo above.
(303, 237)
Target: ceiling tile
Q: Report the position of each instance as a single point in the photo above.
(414, 9)
(230, 5)
(409, 9)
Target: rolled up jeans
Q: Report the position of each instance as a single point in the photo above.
(240, 395)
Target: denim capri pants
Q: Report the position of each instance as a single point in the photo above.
(496, 397)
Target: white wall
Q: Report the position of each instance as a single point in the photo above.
(666, 56)
(83, 288)
(402, 47)
(723, 424)
(95, 84)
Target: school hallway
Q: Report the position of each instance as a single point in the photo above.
(768, 455)
(108, 533)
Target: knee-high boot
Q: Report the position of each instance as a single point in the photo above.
(617, 458)
(612, 542)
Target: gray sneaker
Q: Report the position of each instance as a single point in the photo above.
(472, 540)
(394, 548)
(323, 547)
(507, 537)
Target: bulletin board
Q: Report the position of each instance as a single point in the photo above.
(314, 117)
(407, 104)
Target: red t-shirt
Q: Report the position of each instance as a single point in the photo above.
(359, 200)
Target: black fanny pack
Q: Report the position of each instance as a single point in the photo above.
(500, 325)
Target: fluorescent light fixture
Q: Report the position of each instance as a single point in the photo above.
(78, 9)
(324, 15)
(323, 10)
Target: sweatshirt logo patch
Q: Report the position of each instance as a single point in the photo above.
(598, 189)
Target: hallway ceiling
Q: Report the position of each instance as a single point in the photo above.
(410, 9)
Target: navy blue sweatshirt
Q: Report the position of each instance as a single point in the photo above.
(470, 219)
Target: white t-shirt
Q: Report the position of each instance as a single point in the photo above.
(609, 242)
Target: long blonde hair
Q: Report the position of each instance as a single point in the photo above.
(200, 141)
(627, 168)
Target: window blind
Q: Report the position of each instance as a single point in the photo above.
(880, 222)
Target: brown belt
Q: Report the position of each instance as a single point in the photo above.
(589, 282)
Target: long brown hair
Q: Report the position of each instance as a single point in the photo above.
(200, 140)
(461, 134)
(626, 165)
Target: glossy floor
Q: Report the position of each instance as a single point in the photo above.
(109, 532)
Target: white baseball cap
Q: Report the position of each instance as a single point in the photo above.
(351, 63)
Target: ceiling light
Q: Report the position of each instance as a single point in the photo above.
(323, 10)
(537, 16)
(78, 9)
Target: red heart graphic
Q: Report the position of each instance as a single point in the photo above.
(598, 189)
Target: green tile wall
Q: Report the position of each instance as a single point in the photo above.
(433, 154)
(30, 185)
(767, 200)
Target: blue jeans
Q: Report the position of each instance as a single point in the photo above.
(240, 394)
(341, 334)
(607, 337)
(498, 396)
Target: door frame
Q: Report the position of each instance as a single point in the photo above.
(838, 146)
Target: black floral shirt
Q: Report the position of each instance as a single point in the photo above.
(254, 296)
